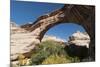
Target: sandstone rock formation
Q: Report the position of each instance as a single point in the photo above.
(83, 15)
(79, 39)
(54, 38)
(22, 41)
(78, 45)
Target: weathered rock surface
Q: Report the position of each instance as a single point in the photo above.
(22, 41)
(79, 39)
(78, 45)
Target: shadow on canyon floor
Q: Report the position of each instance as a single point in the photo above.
(79, 51)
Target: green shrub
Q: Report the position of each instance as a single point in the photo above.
(39, 57)
(51, 52)
(56, 59)
(73, 59)
(44, 50)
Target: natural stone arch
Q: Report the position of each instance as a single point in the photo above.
(83, 15)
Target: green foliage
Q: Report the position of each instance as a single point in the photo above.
(51, 52)
(73, 59)
(39, 57)
(56, 59)
(52, 47)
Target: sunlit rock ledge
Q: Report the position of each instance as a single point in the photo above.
(80, 39)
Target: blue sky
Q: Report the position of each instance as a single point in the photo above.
(24, 12)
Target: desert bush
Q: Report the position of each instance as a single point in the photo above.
(39, 57)
(56, 59)
(51, 52)
(44, 50)
(22, 60)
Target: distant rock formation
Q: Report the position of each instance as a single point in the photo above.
(16, 29)
(79, 39)
(78, 45)
(54, 38)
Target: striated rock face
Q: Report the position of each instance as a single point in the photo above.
(22, 41)
(79, 39)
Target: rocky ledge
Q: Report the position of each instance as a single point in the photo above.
(79, 39)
